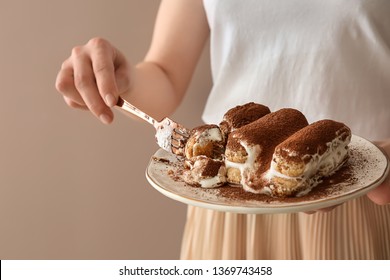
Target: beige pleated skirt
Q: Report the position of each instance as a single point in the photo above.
(358, 229)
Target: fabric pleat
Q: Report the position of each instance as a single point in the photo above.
(358, 229)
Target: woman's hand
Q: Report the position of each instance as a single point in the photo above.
(93, 77)
(381, 194)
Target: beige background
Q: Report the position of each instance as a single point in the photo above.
(71, 187)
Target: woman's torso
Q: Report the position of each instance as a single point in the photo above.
(329, 59)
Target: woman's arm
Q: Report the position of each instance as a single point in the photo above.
(180, 33)
(97, 73)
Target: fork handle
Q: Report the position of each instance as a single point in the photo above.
(130, 108)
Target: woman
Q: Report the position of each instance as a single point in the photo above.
(329, 59)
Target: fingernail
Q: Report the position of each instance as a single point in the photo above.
(110, 100)
(104, 118)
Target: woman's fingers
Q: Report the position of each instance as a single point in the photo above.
(65, 84)
(93, 77)
(74, 104)
(102, 60)
(381, 194)
(85, 83)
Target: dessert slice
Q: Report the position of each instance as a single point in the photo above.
(300, 162)
(249, 149)
(206, 140)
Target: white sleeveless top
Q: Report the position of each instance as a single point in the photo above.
(329, 59)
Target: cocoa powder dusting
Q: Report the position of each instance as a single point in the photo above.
(322, 190)
(211, 168)
(325, 188)
(244, 114)
(312, 139)
(267, 132)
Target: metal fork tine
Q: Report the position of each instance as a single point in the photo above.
(182, 132)
(179, 138)
(178, 149)
(178, 142)
(176, 146)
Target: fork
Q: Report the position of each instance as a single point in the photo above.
(170, 135)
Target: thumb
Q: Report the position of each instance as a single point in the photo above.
(381, 194)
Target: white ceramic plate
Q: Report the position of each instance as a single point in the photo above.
(366, 168)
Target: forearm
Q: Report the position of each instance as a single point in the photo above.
(152, 90)
(160, 82)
